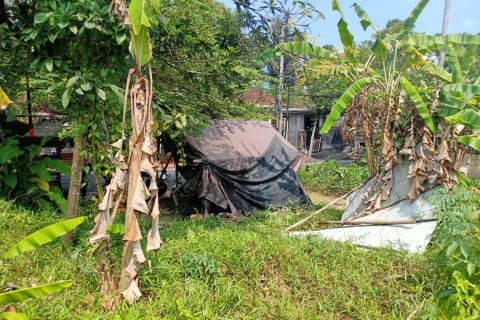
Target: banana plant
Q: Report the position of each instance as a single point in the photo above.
(31, 242)
(388, 79)
(459, 98)
(384, 71)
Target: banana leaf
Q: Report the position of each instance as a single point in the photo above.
(412, 18)
(141, 46)
(266, 56)
(468, 117)
(456, 68)
(437, 71)
(13, 316)
(116, 228)
(336, 7)
(468, 58)
(426, 41)
(470, 141)
(343, 102)
(345, 35)
(464, 88)
(33, 292)
(43, 236)
(307, 49)
(419, 103)
(365, 20)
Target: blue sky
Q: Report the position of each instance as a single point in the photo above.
(464, 17)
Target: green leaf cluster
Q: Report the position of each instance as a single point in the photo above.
(455, 252)
(24, 175)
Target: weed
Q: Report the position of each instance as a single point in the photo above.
(455, 252)
(211, 269)
(331, 178)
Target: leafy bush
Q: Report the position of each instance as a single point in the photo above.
(21, 173)
(330, 177)
(456, 252)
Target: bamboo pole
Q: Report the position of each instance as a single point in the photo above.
(299, 223)
(378, 222)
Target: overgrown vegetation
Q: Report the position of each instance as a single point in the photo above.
(28, 177)
(211, 269)
(456, 252)
(331, 178)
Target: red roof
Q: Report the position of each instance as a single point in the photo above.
(258, 96)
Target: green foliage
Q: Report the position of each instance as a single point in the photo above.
(21, 295)
(365, 20)
(343, 102)
(25, 176)
(456, 252)
(419, 103)
(331, 178)
(13, 316)
(250, 269)
(31, 242)
(43, 236)
(200, 68)
(143, 15)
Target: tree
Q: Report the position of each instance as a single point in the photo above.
(446, 13)
(66, 49)
(279, 22)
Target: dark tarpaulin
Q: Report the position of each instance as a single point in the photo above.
(242, 166)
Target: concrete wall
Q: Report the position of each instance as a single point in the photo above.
(296, 123)
(473, 167)
(46, 125)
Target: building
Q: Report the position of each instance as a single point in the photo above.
(298, 120)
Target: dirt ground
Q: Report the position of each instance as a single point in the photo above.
(319, 198)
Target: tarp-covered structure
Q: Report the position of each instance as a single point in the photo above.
(242, 166)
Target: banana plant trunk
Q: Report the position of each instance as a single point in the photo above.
(281, 79)
(75, 184)
(368, 149)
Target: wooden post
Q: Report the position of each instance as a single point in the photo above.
(299, 223)
(312, 138)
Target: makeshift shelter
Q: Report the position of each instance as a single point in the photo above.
(240, 167)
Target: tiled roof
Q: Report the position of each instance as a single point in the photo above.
(258, 96)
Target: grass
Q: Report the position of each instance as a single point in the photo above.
(211, 269)
(331, 178)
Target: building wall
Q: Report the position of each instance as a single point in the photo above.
(296, 123)
(473, 167)
(46, 125)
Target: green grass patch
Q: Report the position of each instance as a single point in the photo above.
(331, 178)
(211, 269)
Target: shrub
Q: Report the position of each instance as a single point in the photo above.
(330, 177)
(22, 173)
(456, 252)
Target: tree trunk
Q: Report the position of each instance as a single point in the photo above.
(3, 12)
(368, 148)
(446, 13)
(370, 156)
(98, 184)
(75, 184)
(312, 139)
(281, 79)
